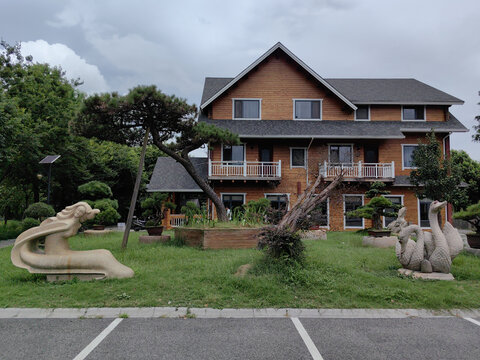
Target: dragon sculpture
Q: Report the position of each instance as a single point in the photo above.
(431, 252)
(57, 260)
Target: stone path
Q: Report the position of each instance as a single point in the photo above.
(5, 243)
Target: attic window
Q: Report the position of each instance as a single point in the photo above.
(247, 109)
(413, 113)
(306, 109)
(362, 113)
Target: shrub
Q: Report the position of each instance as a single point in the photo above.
(39, 211)
(152, 207)
(11, 230)
(104, 204)
(190, 210)
(281, 243)
(29, 222)
(273, 216)
(109, 216)
(472, 215)
(95, 190)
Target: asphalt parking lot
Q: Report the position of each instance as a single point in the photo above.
(235, 338)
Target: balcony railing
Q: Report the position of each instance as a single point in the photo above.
(254, 170)
(359, 170)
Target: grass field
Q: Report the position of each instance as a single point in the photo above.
(338, 273)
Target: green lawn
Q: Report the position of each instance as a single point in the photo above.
(339, 273)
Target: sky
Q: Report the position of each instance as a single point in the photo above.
(114, 45)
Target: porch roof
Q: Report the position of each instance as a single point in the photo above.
(170, 176)
(333, 129)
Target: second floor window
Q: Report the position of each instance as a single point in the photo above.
(246, 109)
(413, 113)
(308, 109)
(234, 154)
(408, 151)
(362, 113)
(298, 157)
(341, 154)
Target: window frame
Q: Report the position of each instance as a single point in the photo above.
(234, 161)
(249, 99)
(340, 144)
(418, 213)
(242, 194)
(412, 106)
(305, 157)
(345, 216)
(280, 194)
(403, 157)
(328, 214)
(368, 110)
(401, 203)
(311, 119)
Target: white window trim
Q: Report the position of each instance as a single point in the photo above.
(259, 109)
(345, 217)
(403, 162)
(244, 153)
(306, 158)
(244, 196)
(328, 214)
(341, 144)
(321, 109)
(367, 119)
(281, 194)
(418, 214)
(424, 113)
(392, 195)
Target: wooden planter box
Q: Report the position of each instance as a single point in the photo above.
(213, 238)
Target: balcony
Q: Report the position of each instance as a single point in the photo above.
(244, 170)
(359, 171)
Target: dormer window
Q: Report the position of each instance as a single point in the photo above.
(362, 113)
(413, 113)
(247, 109)
(307, 109)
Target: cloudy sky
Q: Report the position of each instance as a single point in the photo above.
(114, 45)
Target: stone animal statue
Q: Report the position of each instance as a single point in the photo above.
(397, 225)
(432, 251)
(57, 260)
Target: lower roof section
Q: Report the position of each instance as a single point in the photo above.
(333, 129)
(170, 176)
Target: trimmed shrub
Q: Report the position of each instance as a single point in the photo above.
(29, 222)
(11, 230)
(104, 204)
(39, 211)
(283, 244)
(95, 190)
(109, 216)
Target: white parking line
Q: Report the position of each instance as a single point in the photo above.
(473, 321)
(84, 353)
(307, 340)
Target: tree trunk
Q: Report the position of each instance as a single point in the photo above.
(187, 164)
(308, 201)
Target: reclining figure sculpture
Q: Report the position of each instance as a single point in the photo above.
(431, 252)
(57, 260)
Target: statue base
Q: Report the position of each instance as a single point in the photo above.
(149, 239)
(81, 277)
(314, 235)
(426, 276)
(381, 242)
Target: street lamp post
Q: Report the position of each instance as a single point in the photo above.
(50, 159)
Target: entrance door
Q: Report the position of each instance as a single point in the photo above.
(265, 154)
(371, 154)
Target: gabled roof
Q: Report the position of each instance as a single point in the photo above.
(332, 129)
(263, 57)
(392, 91)
(170, 176)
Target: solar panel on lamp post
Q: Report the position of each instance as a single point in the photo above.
(50, 159)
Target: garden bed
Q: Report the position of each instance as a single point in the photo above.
(219, 238)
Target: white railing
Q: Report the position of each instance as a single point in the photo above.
(245, 169)
(177, 220)
(359, 170)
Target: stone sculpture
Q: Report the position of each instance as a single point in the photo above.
(397, 225)
(431, 252)
(57, 260)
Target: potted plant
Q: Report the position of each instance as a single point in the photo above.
(153, 208)
(377, 207)
(471, 215)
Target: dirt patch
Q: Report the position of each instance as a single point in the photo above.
(243, 270)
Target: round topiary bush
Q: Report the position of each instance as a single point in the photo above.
(109, 216)
(94, 190)
(39, 211)
(104, 204)
(29, 222)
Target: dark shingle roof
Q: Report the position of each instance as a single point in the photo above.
(169, 176)
(398, 91)
(371, 91)
(330, 129)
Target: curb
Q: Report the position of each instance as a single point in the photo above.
(209, 313)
